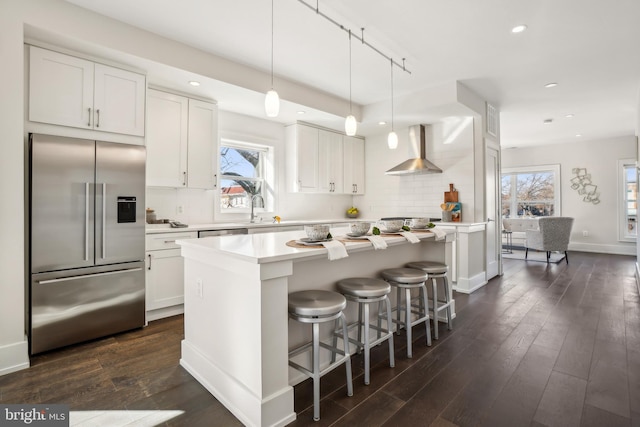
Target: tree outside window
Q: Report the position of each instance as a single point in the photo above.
(530, 192)
(242, 175)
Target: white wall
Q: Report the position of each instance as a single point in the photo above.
(198, 205)
(13, 348)
(449, 146)
(600, 159)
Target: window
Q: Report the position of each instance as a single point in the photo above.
(531, 191)
(245, 173)
(627, 221)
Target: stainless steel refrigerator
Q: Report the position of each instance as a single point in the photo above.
(87, 240)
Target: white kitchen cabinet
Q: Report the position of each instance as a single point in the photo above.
(330, 161)
(165, 274)
(70, 91)
(302, 158)
(353, 149)
(181, 141)
(315, 160)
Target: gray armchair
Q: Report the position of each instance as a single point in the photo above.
(552, 235)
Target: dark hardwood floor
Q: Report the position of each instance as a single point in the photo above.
(543, 345)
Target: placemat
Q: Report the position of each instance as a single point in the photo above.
(294, 244)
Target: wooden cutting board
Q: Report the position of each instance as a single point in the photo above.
(451, 195)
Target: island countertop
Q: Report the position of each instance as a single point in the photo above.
(272, 247)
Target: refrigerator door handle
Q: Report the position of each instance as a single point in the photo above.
(86, 221)
(104, 220)
(84, 276)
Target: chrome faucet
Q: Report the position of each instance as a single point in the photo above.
(254, 198)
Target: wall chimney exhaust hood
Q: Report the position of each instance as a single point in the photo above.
(420, 164)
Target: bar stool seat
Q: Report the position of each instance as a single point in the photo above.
(316, 307)
(408, 279)
(366, 291)
(437, 270)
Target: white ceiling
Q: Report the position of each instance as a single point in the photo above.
(589, 47)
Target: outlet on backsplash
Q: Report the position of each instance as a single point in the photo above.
(180, 209)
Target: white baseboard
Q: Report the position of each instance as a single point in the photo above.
(628, 249)
(467, 285)
(161, 313)
(14, 357)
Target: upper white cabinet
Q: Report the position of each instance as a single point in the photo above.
(330, 161)
(353, 149)
(181, 141)
(69, 91)
(322, 161)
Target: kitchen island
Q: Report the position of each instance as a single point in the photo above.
(237, 333)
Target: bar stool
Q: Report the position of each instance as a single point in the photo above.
(408, 279)
(315, 307)
(366, 291)
(435, 271)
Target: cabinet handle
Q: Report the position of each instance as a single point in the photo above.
(149, 268)
(98, 119)
(184, 178)
(89, 119)
(170, 241)
(215, 180)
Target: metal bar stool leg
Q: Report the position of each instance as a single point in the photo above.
(407, 325)
(447, 298)
(423, 291)
(434, 289)
(392, 361)
(347, 352)
(316, 371)
(367, 347)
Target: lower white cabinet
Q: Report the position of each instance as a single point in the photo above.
(165, 274)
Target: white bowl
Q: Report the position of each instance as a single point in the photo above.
(393, 225)
(317, 231)
(419, 222)
(359, 228)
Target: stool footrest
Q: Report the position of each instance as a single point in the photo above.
(328, 368)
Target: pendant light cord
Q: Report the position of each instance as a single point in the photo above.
(349, 71)
(271, 44)
(392, 95)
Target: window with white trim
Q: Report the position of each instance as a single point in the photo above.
(531, 191)
(246, 173)
(628, 196)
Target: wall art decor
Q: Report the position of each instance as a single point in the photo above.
(581, 182)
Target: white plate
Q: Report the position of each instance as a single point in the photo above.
(363, 237)
(391, 232)
(308, 242)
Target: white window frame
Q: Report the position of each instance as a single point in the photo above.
(555, 169)
(623, 234)
(268, 189)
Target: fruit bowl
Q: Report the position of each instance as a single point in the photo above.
(353, 212)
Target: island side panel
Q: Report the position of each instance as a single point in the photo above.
(233, 342)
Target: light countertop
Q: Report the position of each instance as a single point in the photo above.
(271, 247)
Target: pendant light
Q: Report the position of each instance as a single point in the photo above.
(272, 100)
(350, 124)
(392, 139)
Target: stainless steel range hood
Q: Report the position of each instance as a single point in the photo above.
(419, 164)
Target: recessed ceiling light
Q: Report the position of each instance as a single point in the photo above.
(194, 83)
(518, 28)
(569, 116)
(578, 135)
(301, 112)
(552, 84)
(382, 122)
(548, 121)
